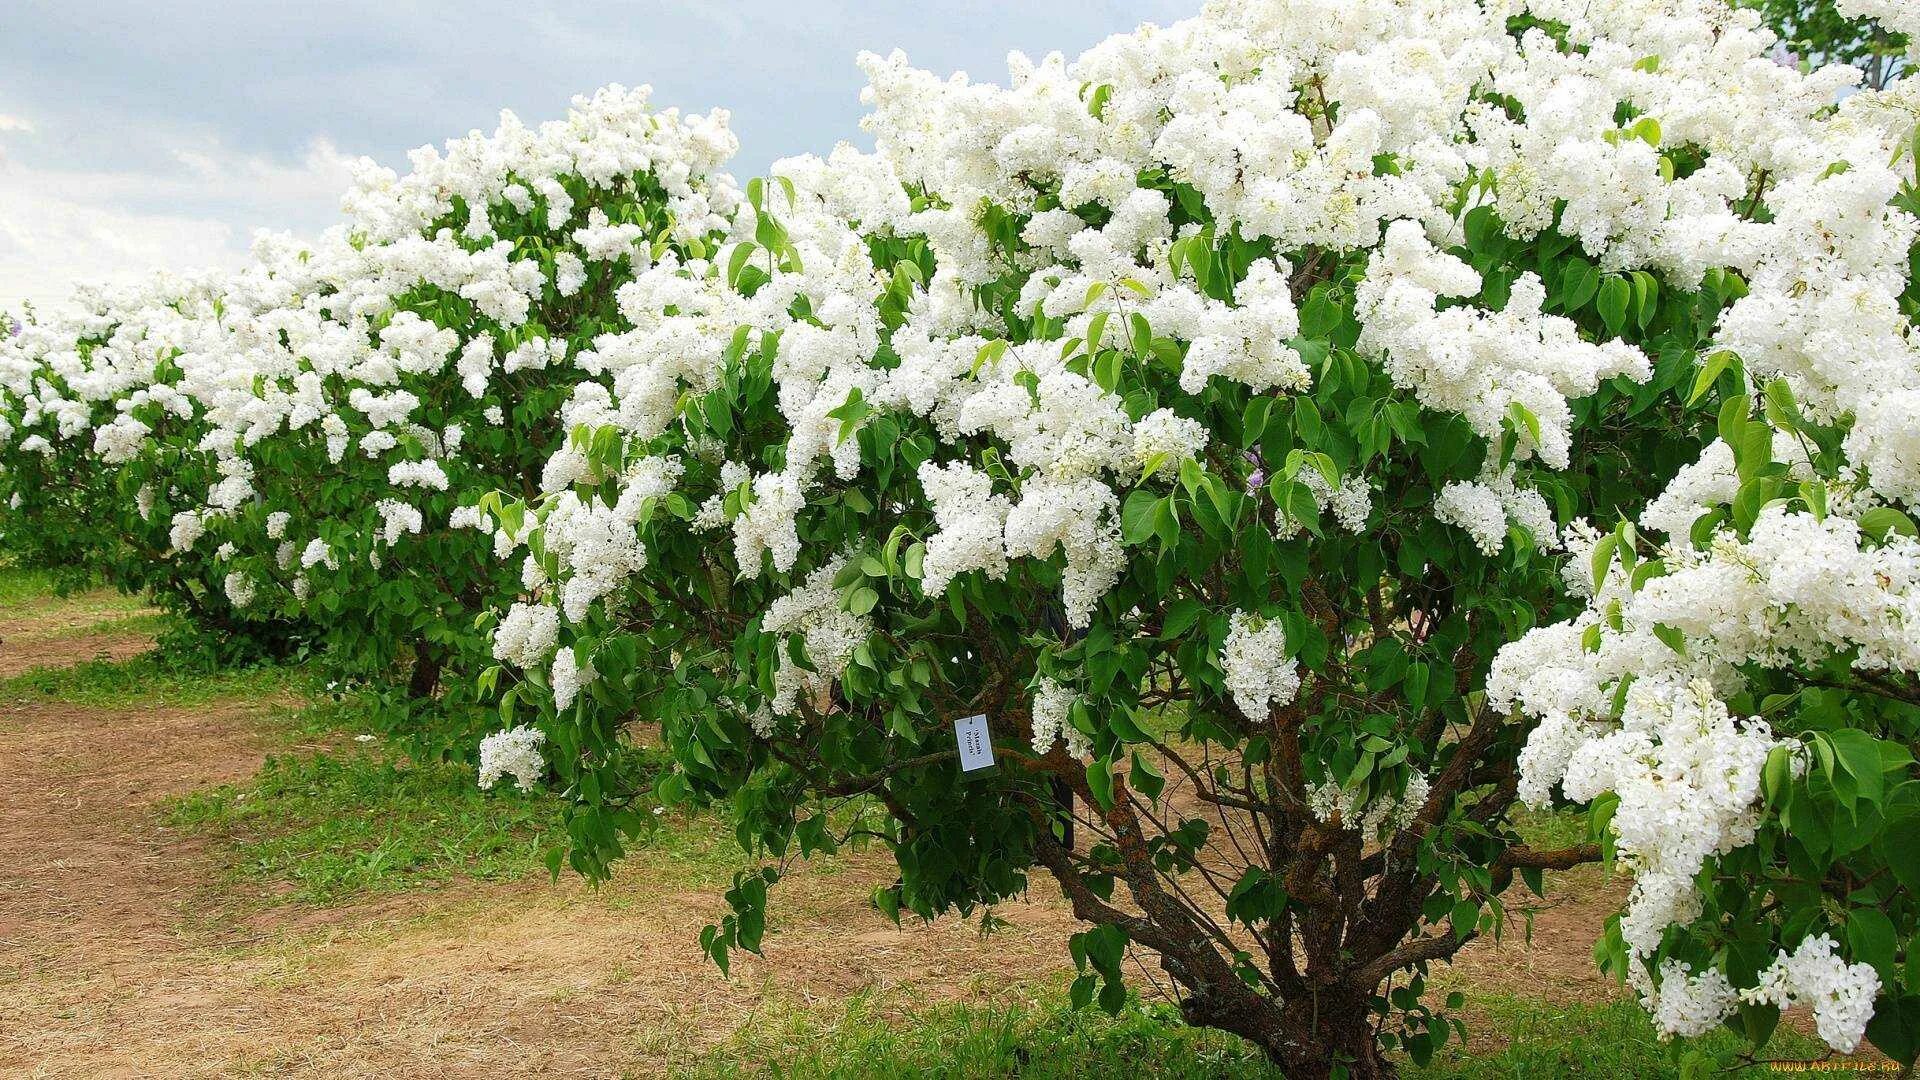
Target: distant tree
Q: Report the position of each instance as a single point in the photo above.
(1818, 32)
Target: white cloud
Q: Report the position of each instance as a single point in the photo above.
(135, 135)
(62, 227)
(48, 244)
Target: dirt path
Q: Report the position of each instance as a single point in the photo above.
(111, 966)
(103, 974)
(56, 632)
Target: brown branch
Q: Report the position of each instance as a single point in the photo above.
(1521, 857)
(1417, 951)
(862, 785)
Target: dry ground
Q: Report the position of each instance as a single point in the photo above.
(54, 632)
(118, 959)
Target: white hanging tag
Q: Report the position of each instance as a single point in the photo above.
(976, 743)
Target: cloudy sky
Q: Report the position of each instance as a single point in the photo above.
(136, 134)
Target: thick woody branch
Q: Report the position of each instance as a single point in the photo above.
(1417, 951)
(1526, 858)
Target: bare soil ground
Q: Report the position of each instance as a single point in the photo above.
(117, 960)
(54, 632)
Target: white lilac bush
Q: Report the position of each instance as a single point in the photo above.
(72, 505)
(1205, 412)
(1739, 701)
(314, 431)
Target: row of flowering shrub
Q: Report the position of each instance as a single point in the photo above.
(285, 453)
(1305, 434)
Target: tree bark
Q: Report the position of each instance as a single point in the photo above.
(425, 680)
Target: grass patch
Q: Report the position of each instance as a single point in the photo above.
(150, 623)
(147, 679)
(20, 586)
(365, 817)
(326, 827)
(1551, 830)
(1511, 1036)
(329, 826)
(1035, 1034)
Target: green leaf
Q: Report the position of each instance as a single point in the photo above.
(1578, 282)
(1136, 516)
(1306, 420)
(1646, 296)
(1777, 776)
(1733, 421)
(1710, 373)
(1523, 419)
(1858, 754)
(887, 899)
(1673, 639)
(1882, 521)
(1871, 940)
(1100, 782)
(1614, 295)
(1145, 778)
(989, 353)
(1465, 917)
(1603, 555)
(1166, 522)
(1181, 615)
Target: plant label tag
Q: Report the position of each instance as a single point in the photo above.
(976, 744)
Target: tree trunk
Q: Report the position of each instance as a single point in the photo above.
(426, 676)
(1311, 1039)
(1333, 1035)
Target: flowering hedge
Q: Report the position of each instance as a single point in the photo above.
(1243, 418)
(310, 435)
(83, 509)
(1205, 413)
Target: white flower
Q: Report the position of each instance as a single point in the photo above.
(1840, 993)
(188, 526)
(420, 474)
(514, 752)
(829, 631)
(568, 677)
(397, 519)
(972, 525)
(240, 589)
(1259, 673)
(1052, 723)
(1162, 440)
(527, 636)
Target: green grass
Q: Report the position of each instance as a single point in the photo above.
(18, 586)
(1512, 1036)
(1550, 830)
(327, 827)
(1035, 1034)
(147, 679)
(150, 623)
(365, 817)
(321, 828)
